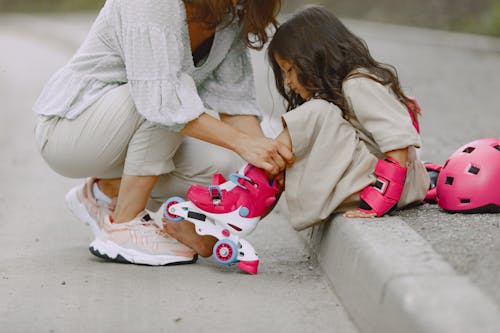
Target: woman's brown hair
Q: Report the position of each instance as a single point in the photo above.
(325, 54)
(255, 16)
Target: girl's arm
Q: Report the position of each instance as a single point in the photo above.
(400, 156)
(285, 139)
(390, 129)
(256, 149)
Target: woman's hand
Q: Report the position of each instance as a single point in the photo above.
(242, 135)
(270, 155)
(265, 153)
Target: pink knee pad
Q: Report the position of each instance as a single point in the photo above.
(380, 197)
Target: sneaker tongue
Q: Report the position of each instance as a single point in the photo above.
(146, 217)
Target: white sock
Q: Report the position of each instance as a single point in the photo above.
(99, 195)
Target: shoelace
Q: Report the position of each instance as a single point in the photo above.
(150, 228)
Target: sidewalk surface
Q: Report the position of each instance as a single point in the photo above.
(50, 283)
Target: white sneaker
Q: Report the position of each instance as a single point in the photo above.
(140, 241)
(83, 205)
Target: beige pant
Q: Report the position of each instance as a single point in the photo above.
(110, 139)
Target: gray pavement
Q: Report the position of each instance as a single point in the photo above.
(391, 280)
(49, 282)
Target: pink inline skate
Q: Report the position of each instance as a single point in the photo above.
(228, 210)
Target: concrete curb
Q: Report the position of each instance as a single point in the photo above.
(391, 280)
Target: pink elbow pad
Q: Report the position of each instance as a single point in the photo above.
(380, 197)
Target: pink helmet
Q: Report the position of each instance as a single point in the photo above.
(470, 179)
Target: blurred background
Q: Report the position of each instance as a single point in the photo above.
(473, 16)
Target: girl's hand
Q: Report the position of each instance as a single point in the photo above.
(357, 213)
(280, 178)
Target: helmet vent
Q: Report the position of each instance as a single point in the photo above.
(464, 201)
(474, 170)
(449, 181)
(497, 147)
(469, 150)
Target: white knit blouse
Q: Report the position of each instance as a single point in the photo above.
(146, 44)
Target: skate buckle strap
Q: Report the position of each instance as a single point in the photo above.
(385, 193)
(215, 194)
(380, 185)
(234, 177)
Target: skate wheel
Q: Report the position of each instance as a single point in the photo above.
(225, 252)
(169, 203)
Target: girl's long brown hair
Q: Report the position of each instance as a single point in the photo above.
(255, 16)
(325, 54)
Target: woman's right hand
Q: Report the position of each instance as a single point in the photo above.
(268, 154)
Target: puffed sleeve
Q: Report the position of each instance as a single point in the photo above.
(230, 89)
(381, 114)
(149, 35)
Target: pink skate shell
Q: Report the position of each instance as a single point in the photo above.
(256, 198)
(218, 179)
(470, 178)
